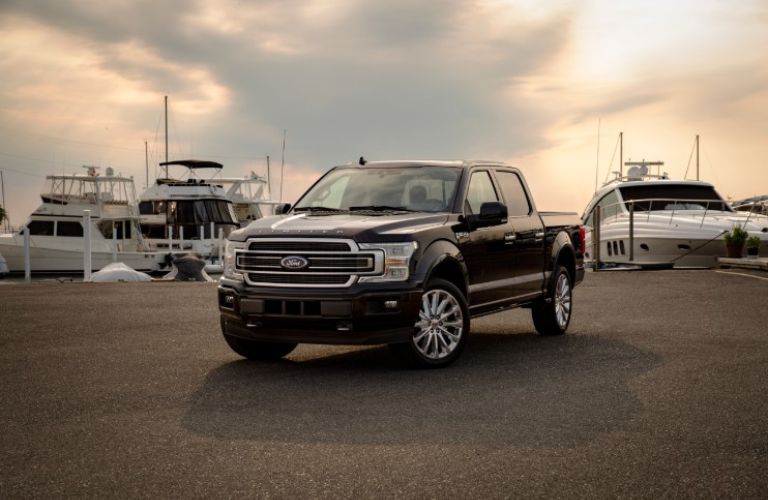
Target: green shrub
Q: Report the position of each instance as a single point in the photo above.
(753, 242)
(737, 236)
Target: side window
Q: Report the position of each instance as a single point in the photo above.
(608, 208)
(514, 193)
(64, 228)
(609, 205)
(145, 208)
(480, 191)
(41, 228)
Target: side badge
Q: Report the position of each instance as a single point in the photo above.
(462, 236)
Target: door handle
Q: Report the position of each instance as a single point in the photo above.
(539, 237)
(509, 238)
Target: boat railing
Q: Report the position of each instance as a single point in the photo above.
(680, 206)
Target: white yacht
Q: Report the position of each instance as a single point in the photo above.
(3, 266)
(652, 221)
(755, 204)
(248, 196)
(187, 213)
(56, 227)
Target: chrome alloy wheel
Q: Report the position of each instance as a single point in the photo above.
(562, 300)
(440, 325)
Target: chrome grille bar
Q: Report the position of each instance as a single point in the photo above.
(261, 262)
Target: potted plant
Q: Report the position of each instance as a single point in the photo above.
(753, 246)
(734, 242)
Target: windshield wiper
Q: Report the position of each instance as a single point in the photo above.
(380, 208)
(318, 209)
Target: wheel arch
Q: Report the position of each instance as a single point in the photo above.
(564, 255)
(442, 259)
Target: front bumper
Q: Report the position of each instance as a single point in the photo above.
(351, 316)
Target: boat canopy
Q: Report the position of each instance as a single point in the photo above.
(193, 164)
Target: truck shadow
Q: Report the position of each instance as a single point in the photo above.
(518, 389)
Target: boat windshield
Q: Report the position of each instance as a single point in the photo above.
(391, 189)
(673, 197)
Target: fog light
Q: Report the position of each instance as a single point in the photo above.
(343, 326)
(390, 304)
(229, 299)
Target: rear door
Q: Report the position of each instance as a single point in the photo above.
(524, 235)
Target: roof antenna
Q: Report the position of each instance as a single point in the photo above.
(362, 161)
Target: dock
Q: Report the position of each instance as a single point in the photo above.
(760, 263)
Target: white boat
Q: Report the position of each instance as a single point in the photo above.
(56, 227)
(3, 266)
(755, 204)
(652, 221)
(248, 196)
(187, 213)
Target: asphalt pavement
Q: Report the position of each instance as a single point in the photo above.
(660, 389)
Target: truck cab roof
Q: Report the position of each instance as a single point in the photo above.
(426, 163)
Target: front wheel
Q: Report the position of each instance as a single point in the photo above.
(441, 330)
(259, 351)
(552, 315)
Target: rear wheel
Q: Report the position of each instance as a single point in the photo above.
(259, 351)
(552, 315)
(441, 330)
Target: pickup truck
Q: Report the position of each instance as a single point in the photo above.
(401, 253)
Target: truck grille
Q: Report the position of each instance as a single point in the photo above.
(269, 245)
(299, 279)
(329, 262)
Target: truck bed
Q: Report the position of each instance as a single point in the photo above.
(560, 219)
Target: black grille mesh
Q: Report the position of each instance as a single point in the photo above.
(298, 246)
(299, 279)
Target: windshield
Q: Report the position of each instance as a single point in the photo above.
(418, 189)
(673, 197)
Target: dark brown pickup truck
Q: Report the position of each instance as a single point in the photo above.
(400, 253)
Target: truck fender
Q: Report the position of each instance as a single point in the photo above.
(562, 247)
(437, 253)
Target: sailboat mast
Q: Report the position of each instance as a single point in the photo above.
(166, 136)
(697, 157)
(146, 164)
(282, 167)
(621, 154)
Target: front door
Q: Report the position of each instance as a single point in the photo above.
(485, 252)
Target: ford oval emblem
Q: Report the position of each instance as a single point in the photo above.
(294, 262)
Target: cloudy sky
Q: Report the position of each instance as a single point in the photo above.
(525, 82)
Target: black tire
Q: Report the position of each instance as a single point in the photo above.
(552, 315)
(438, 338)
(259, 351)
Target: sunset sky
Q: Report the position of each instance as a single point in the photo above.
(519, 81)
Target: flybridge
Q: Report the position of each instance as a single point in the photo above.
(89, 189)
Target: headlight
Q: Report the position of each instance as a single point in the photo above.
(229, 259)
(397, 260)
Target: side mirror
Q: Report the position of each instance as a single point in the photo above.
(491, 214)
(282, 208)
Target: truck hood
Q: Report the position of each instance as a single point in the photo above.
(361, 228)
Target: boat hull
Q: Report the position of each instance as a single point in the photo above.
(49, 260)
(660, 241)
